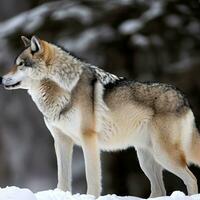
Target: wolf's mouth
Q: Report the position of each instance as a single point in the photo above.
(12, 86)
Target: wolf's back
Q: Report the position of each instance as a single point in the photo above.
(162, 98)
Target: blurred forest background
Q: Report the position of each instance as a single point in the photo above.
(140, 39)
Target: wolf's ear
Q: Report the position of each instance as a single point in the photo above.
(26, 41)
(35, 44)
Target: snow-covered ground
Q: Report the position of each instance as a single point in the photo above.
(15, 193)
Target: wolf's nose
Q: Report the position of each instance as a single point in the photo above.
(1, 80)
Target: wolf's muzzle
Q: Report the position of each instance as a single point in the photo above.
(1, 80)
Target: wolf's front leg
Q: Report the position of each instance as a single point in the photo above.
(64, 148)
(91, 153)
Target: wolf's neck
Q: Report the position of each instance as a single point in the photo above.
(66, 70)
(50, 99)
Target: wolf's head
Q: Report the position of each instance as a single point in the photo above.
(32, 64)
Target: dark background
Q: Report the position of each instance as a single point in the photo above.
(140, 39)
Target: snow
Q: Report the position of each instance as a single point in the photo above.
(82, 13)
(60, 195)
(154, 11)
(30, 21)
(109, 5)
(131, 26)
(183, 64)
(139, 40)
(87, 37)
(32, 17)
(15, 193)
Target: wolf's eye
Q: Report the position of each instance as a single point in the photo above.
(21, 63)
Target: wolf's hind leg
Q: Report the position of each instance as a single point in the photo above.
(182, 172)
(193, 150)
(153, 171)
(172, 158)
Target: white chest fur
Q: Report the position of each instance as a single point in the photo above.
(70, 124)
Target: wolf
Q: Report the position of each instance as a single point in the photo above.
(87, 106)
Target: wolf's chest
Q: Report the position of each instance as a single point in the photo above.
(70, 124)
(51, 106)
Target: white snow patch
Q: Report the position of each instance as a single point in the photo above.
(60, 195)
(183, 64)
(131, 26)
(10, 26)
(86, 38)
(15, 193)
(81, 13)
(139, 40)
(31, 20)
(154, 11)
(109, 5)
